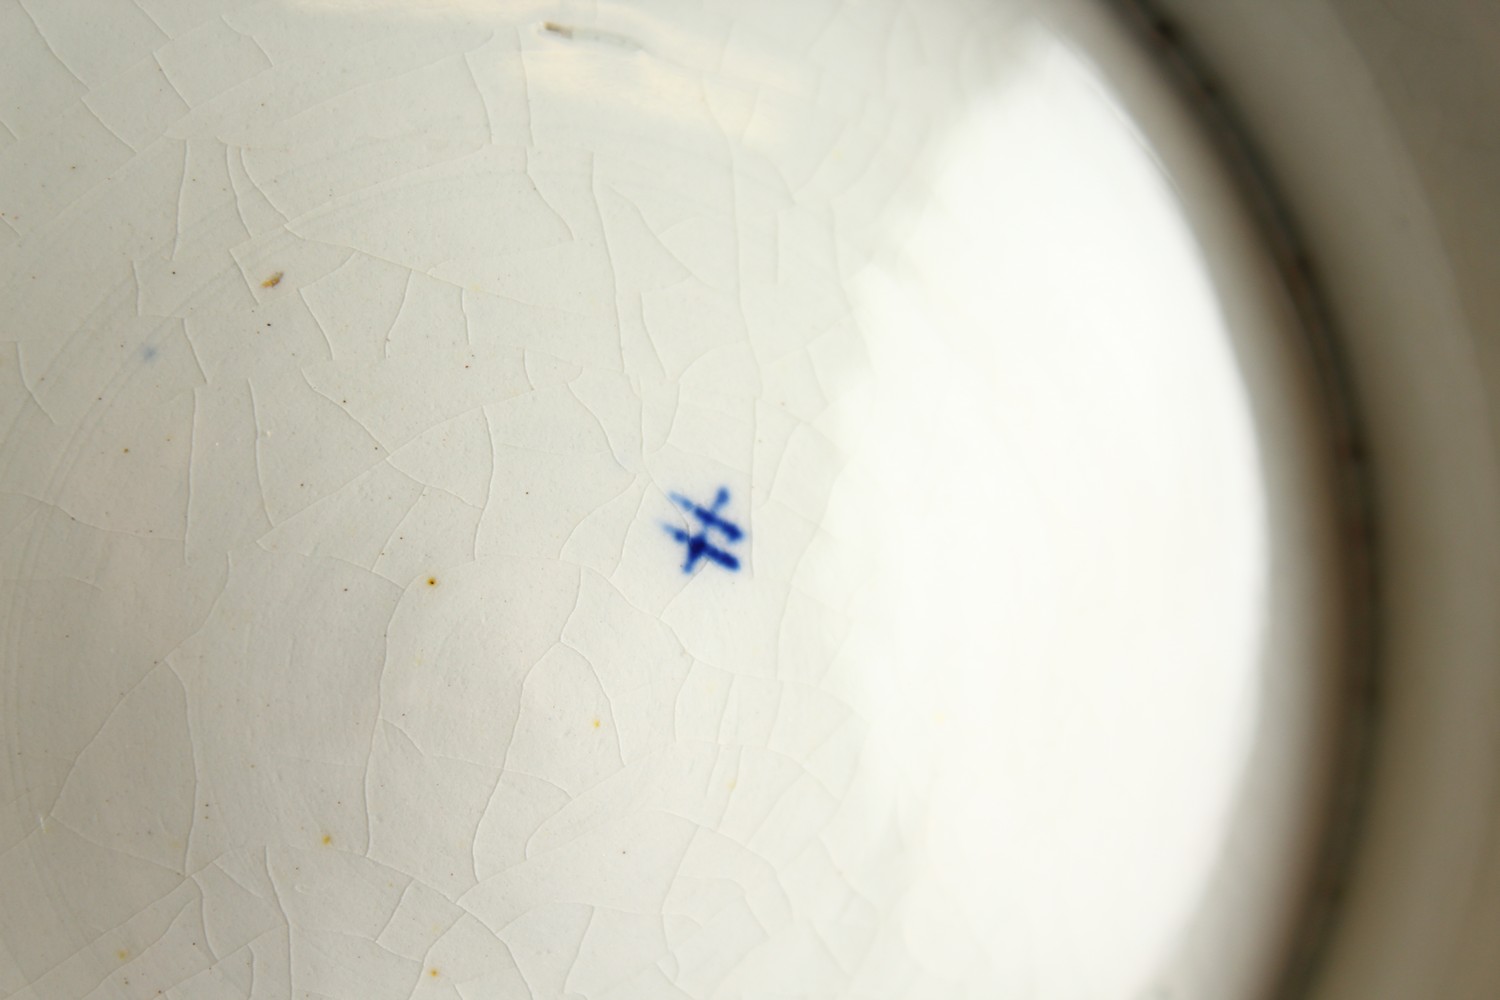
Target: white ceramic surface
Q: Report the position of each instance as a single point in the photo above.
(368, 372)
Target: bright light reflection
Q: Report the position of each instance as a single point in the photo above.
(1077, 561)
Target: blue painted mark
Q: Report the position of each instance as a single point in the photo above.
(710, 520)
(148, 353)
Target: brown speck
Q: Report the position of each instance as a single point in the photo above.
(272, 281)
(127, 451)
(432, 581)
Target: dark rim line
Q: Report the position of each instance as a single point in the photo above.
(1359, 565)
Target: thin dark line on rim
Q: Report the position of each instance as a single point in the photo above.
(1357, 514)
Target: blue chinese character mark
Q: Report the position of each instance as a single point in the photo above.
(710, 520)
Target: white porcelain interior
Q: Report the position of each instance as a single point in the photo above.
(639, 500)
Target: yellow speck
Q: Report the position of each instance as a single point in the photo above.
(596, 723)
(327, 838)
(122, 954)
(433, 973)
(272, 281)
(732, 783)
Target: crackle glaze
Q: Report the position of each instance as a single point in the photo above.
(635, 500)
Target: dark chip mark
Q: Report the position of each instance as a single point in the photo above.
(572, 34)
